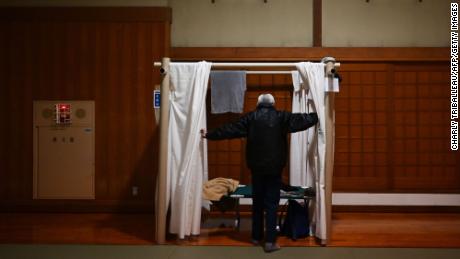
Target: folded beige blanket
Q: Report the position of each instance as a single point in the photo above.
(216, 188)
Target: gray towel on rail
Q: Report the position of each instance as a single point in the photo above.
(227, 91)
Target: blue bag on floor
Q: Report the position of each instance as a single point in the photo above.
(295, 225)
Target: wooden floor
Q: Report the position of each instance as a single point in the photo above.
(349, 229)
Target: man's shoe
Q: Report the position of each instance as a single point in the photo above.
(271, 247)
(255, 242)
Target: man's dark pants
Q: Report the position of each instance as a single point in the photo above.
(265, 197)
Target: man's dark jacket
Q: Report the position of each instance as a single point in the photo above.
(266, 130)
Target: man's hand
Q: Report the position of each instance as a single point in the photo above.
(203, 133)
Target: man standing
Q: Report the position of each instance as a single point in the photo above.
(266, 131)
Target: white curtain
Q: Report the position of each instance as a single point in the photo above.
(301, 169)
(313, 76)
(187, 159)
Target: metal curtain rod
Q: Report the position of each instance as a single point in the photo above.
(246, 64)
(256, 64)
(268, 72)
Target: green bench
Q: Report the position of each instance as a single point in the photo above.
(245, 191)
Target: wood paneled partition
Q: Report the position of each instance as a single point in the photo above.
(393, 129)
(392, 116)
(103, 54)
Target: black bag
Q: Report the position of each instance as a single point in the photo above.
(295, 224)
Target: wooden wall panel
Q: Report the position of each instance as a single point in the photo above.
(4, 70)
(423, 159)
(348, 54)
(107, 60)
(393, 130)
(362, 160)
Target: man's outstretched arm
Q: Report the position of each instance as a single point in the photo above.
(301, 121)
(238, 129)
